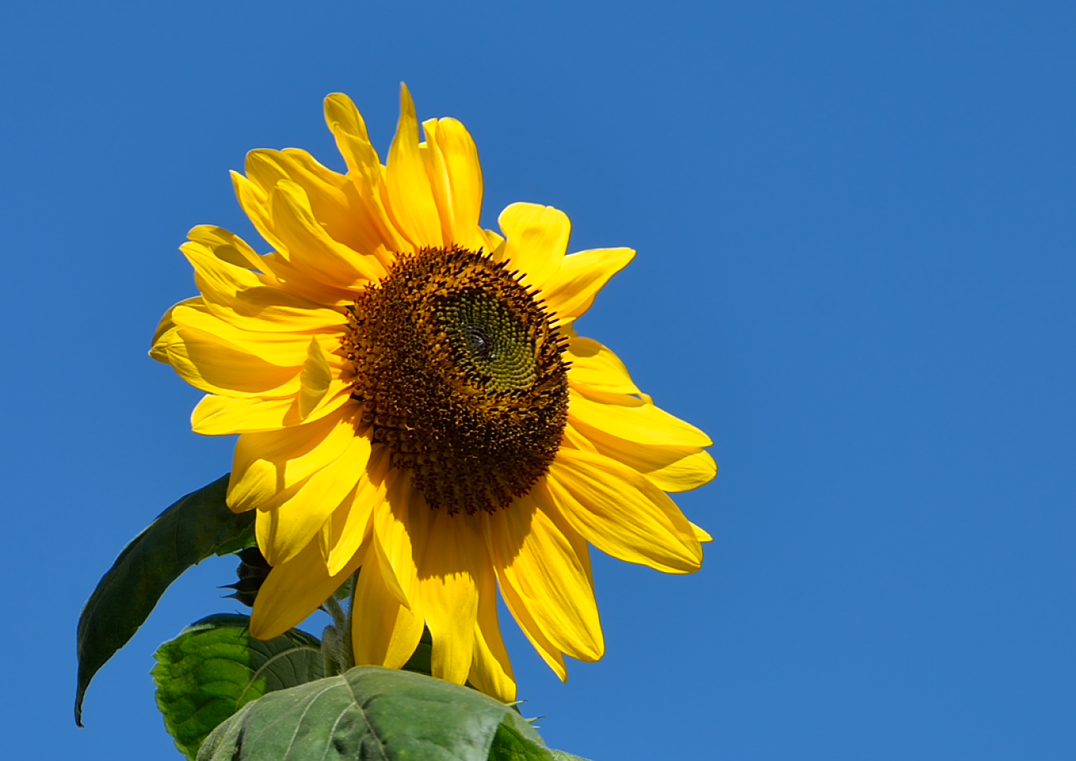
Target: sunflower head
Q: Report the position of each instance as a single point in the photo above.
(459, 371)
(412, 400)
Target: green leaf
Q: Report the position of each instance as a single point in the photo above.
(559, 755)
(195, 527)
(374, 713)
(510, 745)
(214, 668)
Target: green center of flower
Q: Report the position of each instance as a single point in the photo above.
(460, 372)
(491, 344)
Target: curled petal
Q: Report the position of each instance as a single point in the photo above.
(597, 368)
(456, 180)
(621, 513)
(571, 291)
(671, 469)
(632, 419)
(294, 590)
(384, 632)
(410, 196)
(537, 239)
(293, 517)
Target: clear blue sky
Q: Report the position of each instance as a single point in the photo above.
(855, 224)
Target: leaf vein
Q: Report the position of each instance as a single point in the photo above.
(269, 661)
(369, 724)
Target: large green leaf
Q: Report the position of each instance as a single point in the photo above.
(509, 745)
(214, 668)
(374, 713)
(195, 527)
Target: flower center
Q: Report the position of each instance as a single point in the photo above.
(459, 371)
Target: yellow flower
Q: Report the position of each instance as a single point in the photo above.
(411, 397)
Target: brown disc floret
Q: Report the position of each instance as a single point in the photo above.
(460, 373)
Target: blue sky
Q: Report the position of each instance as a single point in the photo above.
(855, 230)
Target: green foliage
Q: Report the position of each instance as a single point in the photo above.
(214, 668)
(226, 696)
(253, 570)
(195, 527)
(374, 713)
(510, 745)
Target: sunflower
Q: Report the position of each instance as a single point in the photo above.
(411, 398)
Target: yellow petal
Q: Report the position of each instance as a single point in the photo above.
(270, 310)
(671, 469)
(410, 198)
(633, 420)
(349, 129)
(402, 528)
(384, 632)
(309, 247)
(597, 367)
(550, 654)
(352, 140)
(349, 528)
(537, 239)
(293, 517)
(571, 291)
(238, 296)
(668, 469)
(225, 416)
(338, 204)
(538, 561)
(579, 544)
(491, 671)
(229, 248)
(308, 284)
(316, 379)
(456, 181)
(167, 323)
(494, 245)
(279, 348)
(294, 590)
(218, 275)
(575, 440)
(323, 187)
(255, 203)
(209, 364)
(701, 534)
(621, 513)
(267, 464)
(448, 591)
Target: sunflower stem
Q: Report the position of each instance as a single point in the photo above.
(327, 660)
(336, 640)
(332, 607)
(348, 641)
